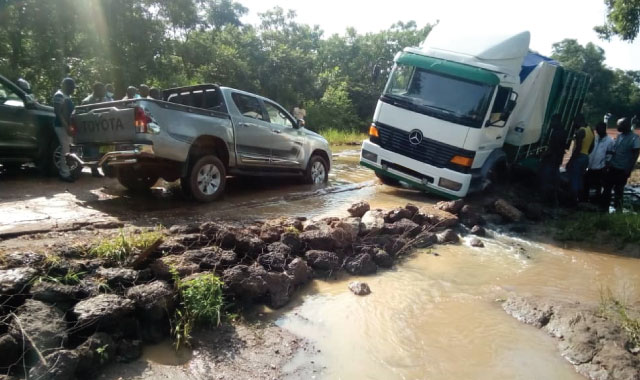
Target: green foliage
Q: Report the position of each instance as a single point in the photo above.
(103, 353)
(69, 278)
(122, 246)
(623, 20)
(342, 136)
(623, 227)
(333, 111)
(616, 310)
(612, 91)
(201, 303)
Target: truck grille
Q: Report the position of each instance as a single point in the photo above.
(428, 151)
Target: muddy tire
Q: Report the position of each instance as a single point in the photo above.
(136, 181)
(317, 171)
(207, 179)
(388, 180)
(51, 164)
(497, 175)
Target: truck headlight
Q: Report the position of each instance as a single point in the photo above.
(369, 156)
(449, 184)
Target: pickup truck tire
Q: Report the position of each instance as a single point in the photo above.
(388, 180)
(207, 179)
(52, 163)
(317, 171)
(136, 181)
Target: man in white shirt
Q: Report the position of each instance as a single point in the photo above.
(602, 150)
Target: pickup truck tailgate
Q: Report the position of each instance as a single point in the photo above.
(105, 125)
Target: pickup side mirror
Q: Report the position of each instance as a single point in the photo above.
(299, 123)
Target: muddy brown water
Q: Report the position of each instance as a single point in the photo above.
(436, 315)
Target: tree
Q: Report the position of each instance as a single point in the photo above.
(623, 20)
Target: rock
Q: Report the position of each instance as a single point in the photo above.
(402, 227)
(475, 242)
(10, 352)
(342, 238)
(372, 222)
(351, 225)
(170, 248)
(57, 293)
(358, 209)
(107, 309)
(155, 298)
(397, 214)
(452, 207)
(184, 229)
(507, 211)
(118, 277)
(249, 245)
(382, 258)
(359, 288)
(108, 225)
(280, 288)
(62, 364)
(98, 350)
(441, 219)
(361, 264)
(22, 259)
(226, 238)
(274, 261)
(425, 239)
(448, 236)
(162, 267)
(271, 234)
(214, 258)
(299, 271)
(245, 281)
(528, 311)
(519, 228)
(478, 231)
(128, 350)
(210, 229)
(534, 211)
(413, 209)
(318, 240)
(470, 217)
(194, 240)
(16, 280)
(292, 240)
(493, 219)
(322, 260)
(43, 324)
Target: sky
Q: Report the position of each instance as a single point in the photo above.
(548, 21)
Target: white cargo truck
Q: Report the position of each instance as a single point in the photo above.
(461, 108)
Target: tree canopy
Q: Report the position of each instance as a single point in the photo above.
(623, 20)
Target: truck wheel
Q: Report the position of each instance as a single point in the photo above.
(52, 163)
(317, 171)
(136, 181)
(207, 179)
(388, 180)
(498, 174)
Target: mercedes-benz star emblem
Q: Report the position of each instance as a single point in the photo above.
(415, 137)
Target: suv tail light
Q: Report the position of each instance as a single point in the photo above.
(141, 120)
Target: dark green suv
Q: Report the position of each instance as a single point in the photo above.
(26, 130)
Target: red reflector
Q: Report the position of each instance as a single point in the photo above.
(140, 120)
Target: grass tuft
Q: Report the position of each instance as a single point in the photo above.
(121, 247)
(343, 137)
(616, 310)
(585, 226)
(201, 303)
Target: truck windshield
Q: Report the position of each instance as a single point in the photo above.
(446, 97)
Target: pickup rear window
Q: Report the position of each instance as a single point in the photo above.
(209, 99)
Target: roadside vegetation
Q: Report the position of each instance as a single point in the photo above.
(201, 303)
(343, 137)
(616, 310)
(592, 226)
(119, 248)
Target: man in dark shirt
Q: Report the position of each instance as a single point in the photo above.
(552, 159)
(63, 108)
(625, 155)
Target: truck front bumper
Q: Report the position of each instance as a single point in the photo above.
(415, 173)
(121, 157)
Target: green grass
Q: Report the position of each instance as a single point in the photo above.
(201, 303)
(585, 226)
(122, 246)
(69, 278)
(617, 311)
(342, 137)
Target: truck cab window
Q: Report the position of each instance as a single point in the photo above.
(499, 106)
(248, 106)
(277, 116)
(9, 98)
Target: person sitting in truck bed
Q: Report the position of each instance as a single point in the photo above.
(577, 165)
(132, 93)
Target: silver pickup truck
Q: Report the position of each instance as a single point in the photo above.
(199, 134)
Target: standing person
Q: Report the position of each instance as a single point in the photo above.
(98, 96)
(552, 159)
(625, 155)
(597, 160)
(109, 92)
(63, 108)
(154, 93)
(583, 144)
(132, 93)
(299, 113)
(144, 91)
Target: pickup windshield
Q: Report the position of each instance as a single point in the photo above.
(446, 97)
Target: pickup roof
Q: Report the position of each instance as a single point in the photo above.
(200, 134)
(26, 130)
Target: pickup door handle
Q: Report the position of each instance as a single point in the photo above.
(248, 125)
(277, 131)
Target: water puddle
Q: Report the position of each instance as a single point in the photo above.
(165, 353)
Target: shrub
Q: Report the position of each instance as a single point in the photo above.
(121, 247)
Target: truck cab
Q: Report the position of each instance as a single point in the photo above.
(442, 119)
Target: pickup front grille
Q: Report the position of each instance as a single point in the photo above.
(428, 151)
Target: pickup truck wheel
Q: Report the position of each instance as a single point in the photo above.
(317, 171)
(388, 180)
(54, 159)
(136, 181)
(207, 179)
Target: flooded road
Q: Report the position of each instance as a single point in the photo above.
(435, 316)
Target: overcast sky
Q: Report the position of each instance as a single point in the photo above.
(548, 20)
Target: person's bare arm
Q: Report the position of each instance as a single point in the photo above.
(578, 143)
